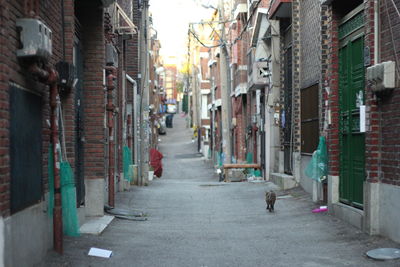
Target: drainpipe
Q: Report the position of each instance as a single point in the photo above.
(57, 217)
(255, 129)
(136, 126)
(110, 123)
(376, 32)
(50, 77)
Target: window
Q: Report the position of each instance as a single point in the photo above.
(25, 148)
(309, 119)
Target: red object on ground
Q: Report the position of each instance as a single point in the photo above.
(155, 161)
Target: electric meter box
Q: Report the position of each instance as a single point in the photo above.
(36, 39)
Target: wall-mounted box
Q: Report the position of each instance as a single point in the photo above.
(35, 38)
(382, 76)
(66, 75)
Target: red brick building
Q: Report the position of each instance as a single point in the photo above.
(95, 111)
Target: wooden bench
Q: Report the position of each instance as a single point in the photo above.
(241, 165)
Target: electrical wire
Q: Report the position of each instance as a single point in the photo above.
(247, 23)
(395, 7)
(198, 39)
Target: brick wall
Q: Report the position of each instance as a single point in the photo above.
(330, 54)
(11, 71)
(239, 147)
(325, 56)
(68, 100)
(310, 24)
(4, 111)
(372, 134)
(389, 107)
(296, 46)
(93, 45)
(132, 50)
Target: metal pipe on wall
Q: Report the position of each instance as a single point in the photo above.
(135, 117)
(110, 125)
(57, 214)
(49, 76)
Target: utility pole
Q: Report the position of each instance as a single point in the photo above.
(144, 101)
(225, 90)
(188, 80)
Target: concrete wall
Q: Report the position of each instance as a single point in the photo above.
(389, 207)
(28, 236)
(305, 182)
(311, 186)
(95, 197)
(1, 242)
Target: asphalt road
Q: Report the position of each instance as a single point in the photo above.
(193, 220)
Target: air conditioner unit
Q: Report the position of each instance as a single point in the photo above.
(261, 74)
(381, 76)
(35, 39)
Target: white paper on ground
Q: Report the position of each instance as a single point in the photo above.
(98, 252)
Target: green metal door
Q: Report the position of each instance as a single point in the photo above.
(352, 141)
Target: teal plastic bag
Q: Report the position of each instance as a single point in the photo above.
(317, 168)
(127, 156)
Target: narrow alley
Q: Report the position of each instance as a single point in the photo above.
(193, 220)
(156, 130)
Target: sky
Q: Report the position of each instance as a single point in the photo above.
(171, 19)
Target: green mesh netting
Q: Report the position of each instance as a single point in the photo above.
(68, 196)
(220, 159)
(127, 162)
(317, 168)
(249, 160)
(50, 169)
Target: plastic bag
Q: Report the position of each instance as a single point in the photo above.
(317, 168)
(127, 162)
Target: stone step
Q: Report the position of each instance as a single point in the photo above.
(283, 180)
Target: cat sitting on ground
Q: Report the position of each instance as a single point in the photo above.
(270, 198)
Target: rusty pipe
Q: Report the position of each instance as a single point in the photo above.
(110, 123)
(49, 76)
(42, 74)
(57, 212)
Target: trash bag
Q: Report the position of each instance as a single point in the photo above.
(317, 168)
(156, 161)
